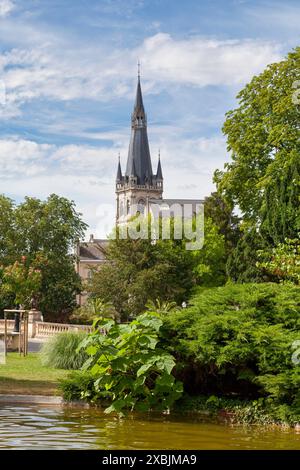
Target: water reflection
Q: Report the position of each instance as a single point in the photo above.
(44, 427)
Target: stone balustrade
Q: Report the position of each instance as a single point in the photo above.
(10, 325)
(40, 329)
(46, 329)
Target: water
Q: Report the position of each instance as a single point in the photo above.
(46, 427)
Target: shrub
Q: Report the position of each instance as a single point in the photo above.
(130, 367)
(61, 351)
(238, 341)
(283, 261)
(77, 386)
(92, 309)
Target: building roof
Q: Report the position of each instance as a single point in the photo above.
(94, 250)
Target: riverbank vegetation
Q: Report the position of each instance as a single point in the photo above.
(234, 347)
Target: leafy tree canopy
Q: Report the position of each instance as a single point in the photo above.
(43, 233)
(263, 138)
(139, 271)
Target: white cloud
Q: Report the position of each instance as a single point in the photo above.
(25, 157)
(19, 156)
(6, 6)
(86, 174)
(57, 71)
(201, 62)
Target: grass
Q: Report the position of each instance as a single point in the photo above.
(27, 376)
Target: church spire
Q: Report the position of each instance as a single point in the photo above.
(139, 185)
(138, 116)
(139, 159)
(159, 175)
(119, 172)
(139, 111)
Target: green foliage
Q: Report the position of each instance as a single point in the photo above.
(162, 308)
(283, 261)
(263, 137)
(21, 281)
(209, 262)
(140, 271)
(238, 339)
(61, 351)
(280, 214)
(77, 385)
(92, 309)
(242, 262)
(44, 232)
(230, 409)
(130, 367)
(222, 216)
(7, 232)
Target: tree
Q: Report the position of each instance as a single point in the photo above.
(7, 231)
(242, 262)
(221, 214)
(44, 232)
(280, 214)
(21, 281)
(282, 262)
(263, 138)
(139, 271)
(210, 261)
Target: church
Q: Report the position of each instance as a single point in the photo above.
(138, 189)
(139, 184)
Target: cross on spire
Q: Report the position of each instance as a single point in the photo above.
(139, 68)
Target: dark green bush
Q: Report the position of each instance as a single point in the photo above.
(61, 351)
(238, 341)
(78, 385)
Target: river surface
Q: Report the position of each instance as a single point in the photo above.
(49, 427)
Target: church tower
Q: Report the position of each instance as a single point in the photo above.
(138, 185)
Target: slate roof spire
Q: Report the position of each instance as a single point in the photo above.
(119, 172)
(139, 159)
(159, 175)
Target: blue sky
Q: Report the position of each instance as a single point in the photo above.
(69, 71)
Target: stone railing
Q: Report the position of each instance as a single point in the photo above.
(41, 329)
(10, 325)
(46, 329)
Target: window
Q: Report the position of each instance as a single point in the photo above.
(141, 206)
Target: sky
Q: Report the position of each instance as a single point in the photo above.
(68, 74)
